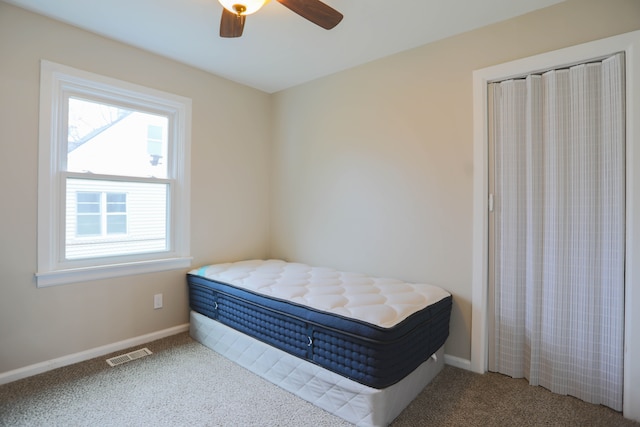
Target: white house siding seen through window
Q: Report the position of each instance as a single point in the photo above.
(146, 220)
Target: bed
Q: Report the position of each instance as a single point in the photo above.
(359, 347)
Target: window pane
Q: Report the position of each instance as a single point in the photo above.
(116, 224)
(85, 197)
(88, 208)
(110, 140)
(154, 132)
(88, 225)
(88, 203)
(116, 207)
(116, 197)
(116, 202)
(143, 228)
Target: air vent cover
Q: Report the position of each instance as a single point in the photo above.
(128, 357)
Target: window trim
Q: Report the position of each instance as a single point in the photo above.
(56, 81)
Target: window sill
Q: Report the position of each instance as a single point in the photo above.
(74, 275)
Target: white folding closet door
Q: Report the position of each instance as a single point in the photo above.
(559, 230)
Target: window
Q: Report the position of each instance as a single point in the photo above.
(113, 188)
(116, 213)
(88, 214)
(92, 219)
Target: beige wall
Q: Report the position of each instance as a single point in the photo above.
(370, 170)
(229, 194)
(372, 167)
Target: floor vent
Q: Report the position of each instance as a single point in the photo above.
(128, 357)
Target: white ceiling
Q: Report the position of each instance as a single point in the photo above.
(279, 49)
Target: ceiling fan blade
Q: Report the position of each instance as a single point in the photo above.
(231, 25)
(315, 11)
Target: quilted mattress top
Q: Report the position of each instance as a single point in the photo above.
(379, 301)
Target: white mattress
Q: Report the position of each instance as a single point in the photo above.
(352, 401)
(379, 301)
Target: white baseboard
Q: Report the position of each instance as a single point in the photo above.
(38, 368)
(457, 362)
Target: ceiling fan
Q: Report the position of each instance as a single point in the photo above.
(235, 11)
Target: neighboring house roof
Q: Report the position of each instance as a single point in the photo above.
(73, 144)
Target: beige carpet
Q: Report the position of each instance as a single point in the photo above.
(185, 384)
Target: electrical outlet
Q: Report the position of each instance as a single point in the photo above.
(157, 301)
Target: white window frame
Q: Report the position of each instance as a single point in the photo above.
(56, 82)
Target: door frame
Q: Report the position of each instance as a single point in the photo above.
(628, 43)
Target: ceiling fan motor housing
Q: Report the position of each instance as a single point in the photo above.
(243, 7)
